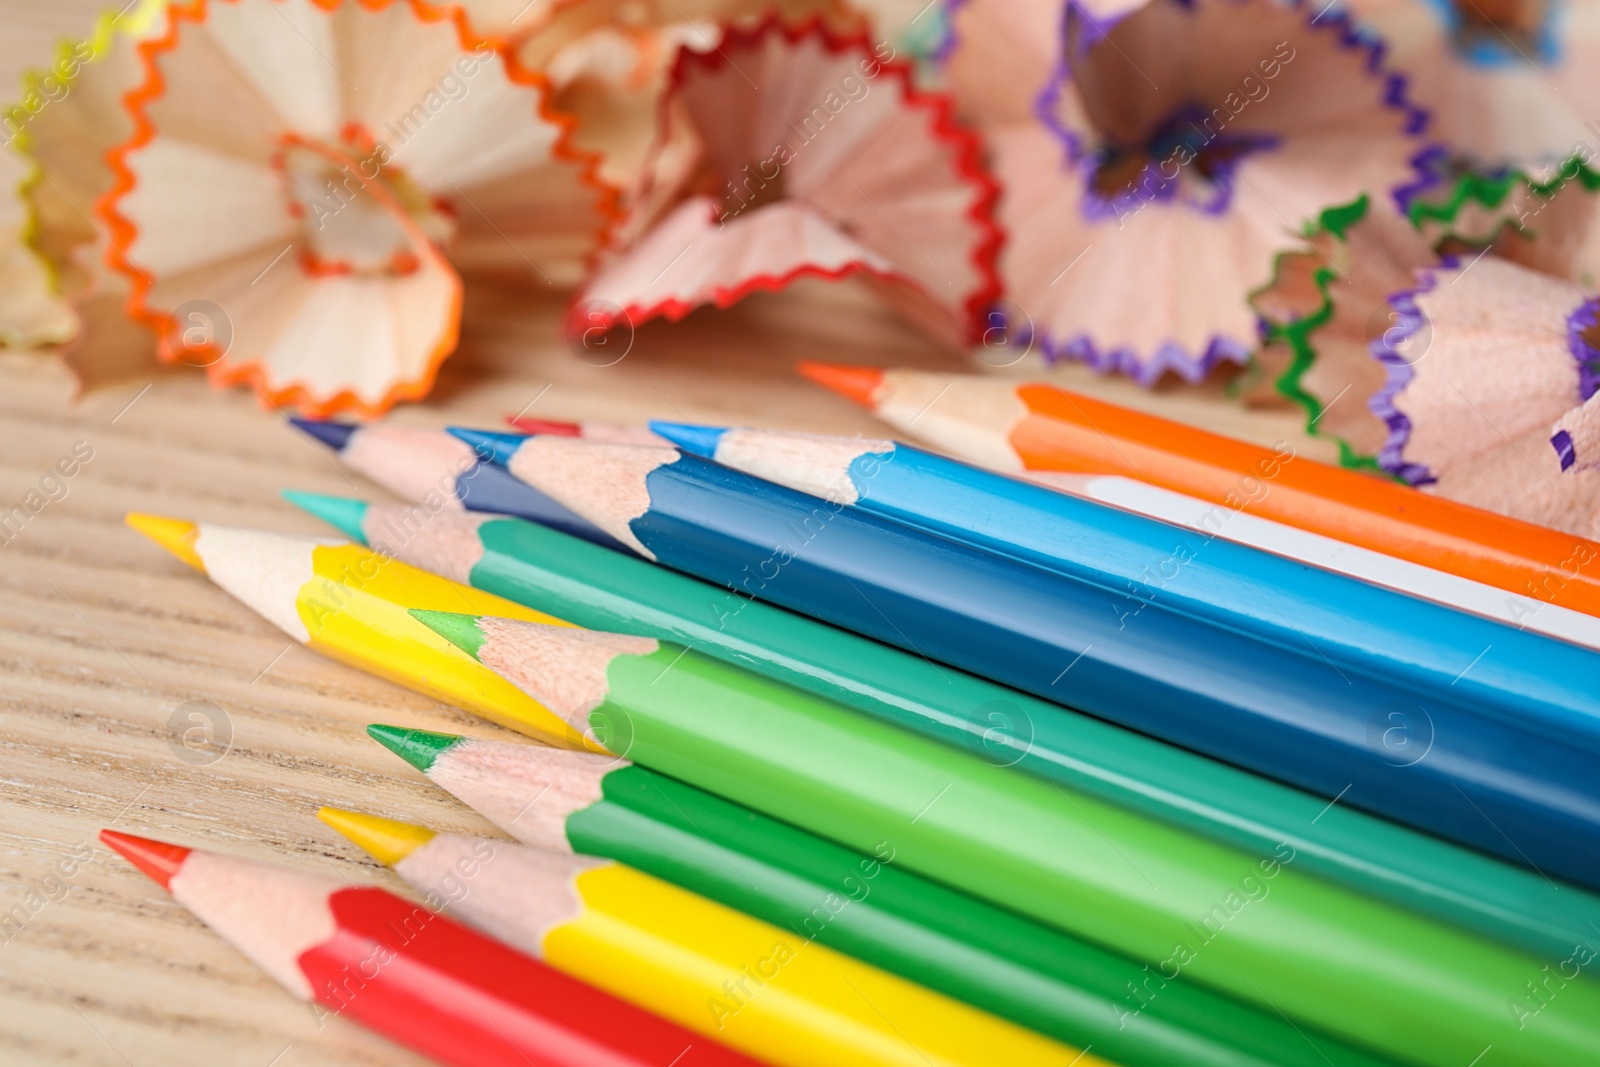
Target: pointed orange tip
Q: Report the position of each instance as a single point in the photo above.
(175, 535)
(156, 858)
(854, 383)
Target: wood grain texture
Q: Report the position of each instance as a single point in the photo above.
(104, 639)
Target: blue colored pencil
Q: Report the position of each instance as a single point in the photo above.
(432, 468)
(1429, 760)
(1530, 681)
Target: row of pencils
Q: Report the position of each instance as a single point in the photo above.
(1174, 750)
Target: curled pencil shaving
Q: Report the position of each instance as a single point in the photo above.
(999, 57)
(610, 61)
(1507, 82)
(512, 21)
(48, 53)
(1461, 373)
(67, 143)
(31, 313)
(292, 212)
(1489, 401)
(1181, 146)
(836, 166)
(1326, 305)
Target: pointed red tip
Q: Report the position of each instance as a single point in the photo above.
(548, 427)
(854, 383)
(156, 858)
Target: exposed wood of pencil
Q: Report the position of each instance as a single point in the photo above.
(611, 500)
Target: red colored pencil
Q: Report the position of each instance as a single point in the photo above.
(617, 432)
(409, 973)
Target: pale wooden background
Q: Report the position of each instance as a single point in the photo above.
(103, 635)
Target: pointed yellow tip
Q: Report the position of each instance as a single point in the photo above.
(387, 841)
(175, 535)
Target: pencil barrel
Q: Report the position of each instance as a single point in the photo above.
(1253, 927)
(1429, 761)
(864, 905)
(768, 991)
(546, 570)
(1072, 432)
(469, 1001)
(1520, 677)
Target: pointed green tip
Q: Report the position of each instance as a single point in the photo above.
(420, 748)
(460, 630)
(343, 513)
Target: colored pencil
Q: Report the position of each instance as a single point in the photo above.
(431, 468)
(1252, 927)
(755, 987)
(409, 973)
(621, 433)
(1438, 759)
(1038, 427)
(861, 905)
(1526, 677)
(350, 604)
(1391, 572)
(600, 590)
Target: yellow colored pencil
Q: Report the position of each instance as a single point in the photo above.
(351, 604)
(765, 991)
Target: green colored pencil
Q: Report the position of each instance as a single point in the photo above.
(1255, 928)
(863, 905)
(601, 590)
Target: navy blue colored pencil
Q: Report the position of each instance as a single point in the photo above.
(1427, 759)
(432, 468)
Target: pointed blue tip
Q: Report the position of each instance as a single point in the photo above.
(491, 447)
(695, 440)
(333, 434)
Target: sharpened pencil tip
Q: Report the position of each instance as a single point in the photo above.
(333, 434)
(695, 440)
(343, 513)
(385, 840)
(420, 748)
(175, 535)
(491, 447)
(853, 383)
(460, 630)
(157, 859)
(547, 427)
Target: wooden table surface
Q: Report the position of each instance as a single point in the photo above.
(105, 639)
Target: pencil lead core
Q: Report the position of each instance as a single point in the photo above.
(460, 630)
(853, 383)
(695, 440)
(344, 514)
(547, 427)
(157, 859)
(386, 840)
(417, 747)
(333, 434)
(491, 447)
(175, 535)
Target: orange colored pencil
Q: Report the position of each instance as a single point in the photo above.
(1035, 427)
